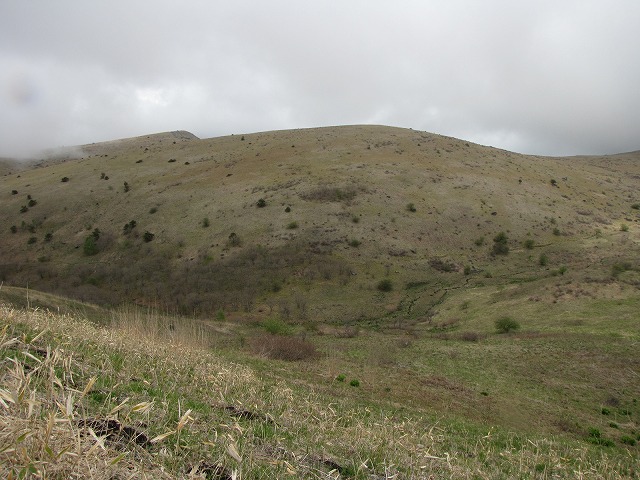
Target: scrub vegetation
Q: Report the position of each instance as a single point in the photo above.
(434, 309)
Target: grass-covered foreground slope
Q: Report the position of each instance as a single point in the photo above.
(137, 400)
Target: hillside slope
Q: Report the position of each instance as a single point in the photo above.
(344, 208)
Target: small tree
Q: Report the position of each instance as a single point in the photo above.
(506, 325)
(148, 236)
(500, 246)
(90, 245)
(261, 203)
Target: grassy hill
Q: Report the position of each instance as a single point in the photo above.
(378, 255)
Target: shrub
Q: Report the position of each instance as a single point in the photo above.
(411, 207)
(467, 270)
(385, 285)
(261, 203)
(553, 182)
(220, 315)
(32, 240)
(129, 227)
(13, 229)
(205, 222)
(90, 246)
(288, 209)
(354, 383)
(14, 192)
(153, 210)
(529, 244)
(283, 348)
(470, 336)
(506, 325)
(32, 203)
(65, 179)
(627, 440)
(624, 227)
(500, 246)
(24, 209)
(341, 378)
(443, 265)
(543, 260)
(292, 225)
(234, 240)
(354, 243)
(96, 234)
(328, 193)
(618, 268)
(48, 237)
(635, 206)
(148, 236)
(355, 219)
(479, 241)
(126, 187)
(275, 326)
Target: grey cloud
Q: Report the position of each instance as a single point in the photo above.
(539, 77)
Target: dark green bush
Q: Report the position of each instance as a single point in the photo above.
(506, 325)
(292, 225)
(32, 240)
(13, 229)
(411, 207)
(500, 246)
(129, 227)
(90, 246)
(65, 179)
(261, 203)
(529, 244)
(385, 285)
(275, 326)
(148, 236)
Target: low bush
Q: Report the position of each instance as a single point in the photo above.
(275, 326)
(385, 285)
(506, 325)
(280, 347)
(470, 336)
(500, 246)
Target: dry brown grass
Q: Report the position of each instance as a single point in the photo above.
(186, 402)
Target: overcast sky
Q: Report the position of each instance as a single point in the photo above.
(554, 77)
